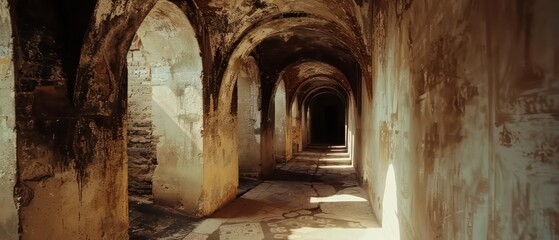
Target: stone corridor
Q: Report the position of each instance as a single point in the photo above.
(279, 119)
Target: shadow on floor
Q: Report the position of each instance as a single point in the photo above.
(245, 185)
(148, 221)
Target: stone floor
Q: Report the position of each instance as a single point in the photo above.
(302, 200)
(148, 221)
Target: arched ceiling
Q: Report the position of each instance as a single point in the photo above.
(315, 86)
(280, 50)
(168, 36)
(289, 34)
(169, 42)
(311, 70)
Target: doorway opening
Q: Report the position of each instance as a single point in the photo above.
(165, 117)
(328, 120)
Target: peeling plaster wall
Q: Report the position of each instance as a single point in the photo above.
(178, 121)
(221, 167)
(306, 122)
(279, 123)
(524, 82)
(8, 213)
(249, 119)
(463, 110)
(68, 172)
(295, 127)
(351, 129)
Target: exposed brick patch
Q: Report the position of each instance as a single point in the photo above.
(142, 144)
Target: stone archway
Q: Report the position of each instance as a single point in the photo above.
(165, 110)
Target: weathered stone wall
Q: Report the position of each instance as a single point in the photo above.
(249, 119)
(523, 73)
(279, 123)
(8, 212)
(462, 111)
(70, 138)
(142, 143)
(352, 130)
(295, 127)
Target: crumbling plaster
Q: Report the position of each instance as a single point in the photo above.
(461, 108)
(249, 118)
(80, 184)
(8, 214)
(280, 117)
(59, 146)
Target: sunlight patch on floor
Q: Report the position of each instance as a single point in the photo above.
(337, 198)
(337, 167)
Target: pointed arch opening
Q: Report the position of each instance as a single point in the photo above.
(165, 111)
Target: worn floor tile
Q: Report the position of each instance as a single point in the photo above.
(300, 201)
